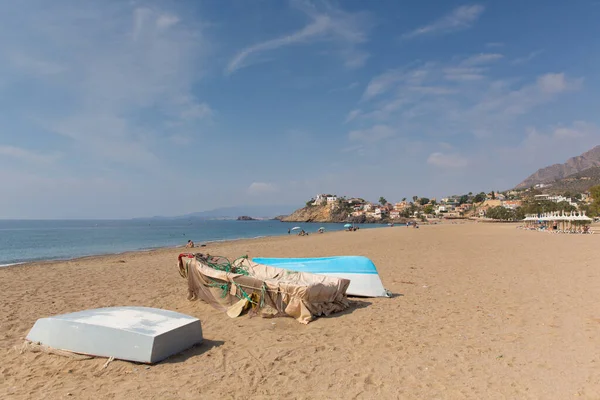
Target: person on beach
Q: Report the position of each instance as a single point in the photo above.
(289, 231)
(189, 244)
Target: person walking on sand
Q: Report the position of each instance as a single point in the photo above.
(189, 244)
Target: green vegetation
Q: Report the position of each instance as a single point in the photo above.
(479, 197)
(501, 213)
(593, 210)
(382, 201)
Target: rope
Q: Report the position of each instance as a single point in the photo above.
(223, 264)
(223, 286)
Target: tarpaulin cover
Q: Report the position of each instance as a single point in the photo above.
(268, 291)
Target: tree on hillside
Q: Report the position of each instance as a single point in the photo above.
(428, 209)
(479, 197)
(423, 201)
(542, 206)
(404, 199)
(501, 213)
(415, 198)
(493, 195)
(463, 199)
(593, 209)
(382, 201)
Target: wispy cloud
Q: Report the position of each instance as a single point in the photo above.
(459, 97)
(28, 156)
(348, 87)
(482, 58)
(371, 135)
(442, 160)
(527, 58)
(329, 24)
(460, 18)
(124, 86)
(352, 115)
(492, 45)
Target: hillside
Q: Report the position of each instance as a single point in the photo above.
(576, 183)
(589, 159)
(322, 213)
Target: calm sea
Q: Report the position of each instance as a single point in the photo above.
(23, 241)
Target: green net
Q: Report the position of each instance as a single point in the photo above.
(223, 263)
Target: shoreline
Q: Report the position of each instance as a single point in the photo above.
(67, 259)
(144, 251)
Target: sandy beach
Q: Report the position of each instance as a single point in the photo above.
(479, 311)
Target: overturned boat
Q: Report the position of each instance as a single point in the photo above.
(244, 285)
(362, 273)
(140, 334)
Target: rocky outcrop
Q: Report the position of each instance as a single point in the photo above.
(555, 172)
(314, 214)
(326, 213)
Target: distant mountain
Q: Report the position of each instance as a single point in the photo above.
(268, 211)
(575, 165)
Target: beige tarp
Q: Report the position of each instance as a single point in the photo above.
(266, 290)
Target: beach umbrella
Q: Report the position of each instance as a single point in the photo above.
(348, 226)
(296, 228)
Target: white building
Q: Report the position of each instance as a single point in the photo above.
(319, 199)
(332, 199)
(555, 198)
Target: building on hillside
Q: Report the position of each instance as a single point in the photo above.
(555, 199)
(381, 211)
(500, 196)
(319, 200)
(354, 201)
(401, 206)
(586, 197)
(374, 215)
(368, 207)
(442, 208)
(387, 207)
(331, 199)
(512, 204)
(395, 214)
(464, 207)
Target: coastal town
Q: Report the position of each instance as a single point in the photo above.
(510, 205)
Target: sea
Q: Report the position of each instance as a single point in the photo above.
(24, 241)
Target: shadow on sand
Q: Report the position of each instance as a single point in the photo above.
(194, 351)
(355, 304)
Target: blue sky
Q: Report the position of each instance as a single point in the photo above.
(115, 109)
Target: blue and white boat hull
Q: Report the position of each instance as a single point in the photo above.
(363, 276)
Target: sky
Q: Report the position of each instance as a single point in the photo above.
(119, 109)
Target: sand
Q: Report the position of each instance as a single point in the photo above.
(479, 311)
